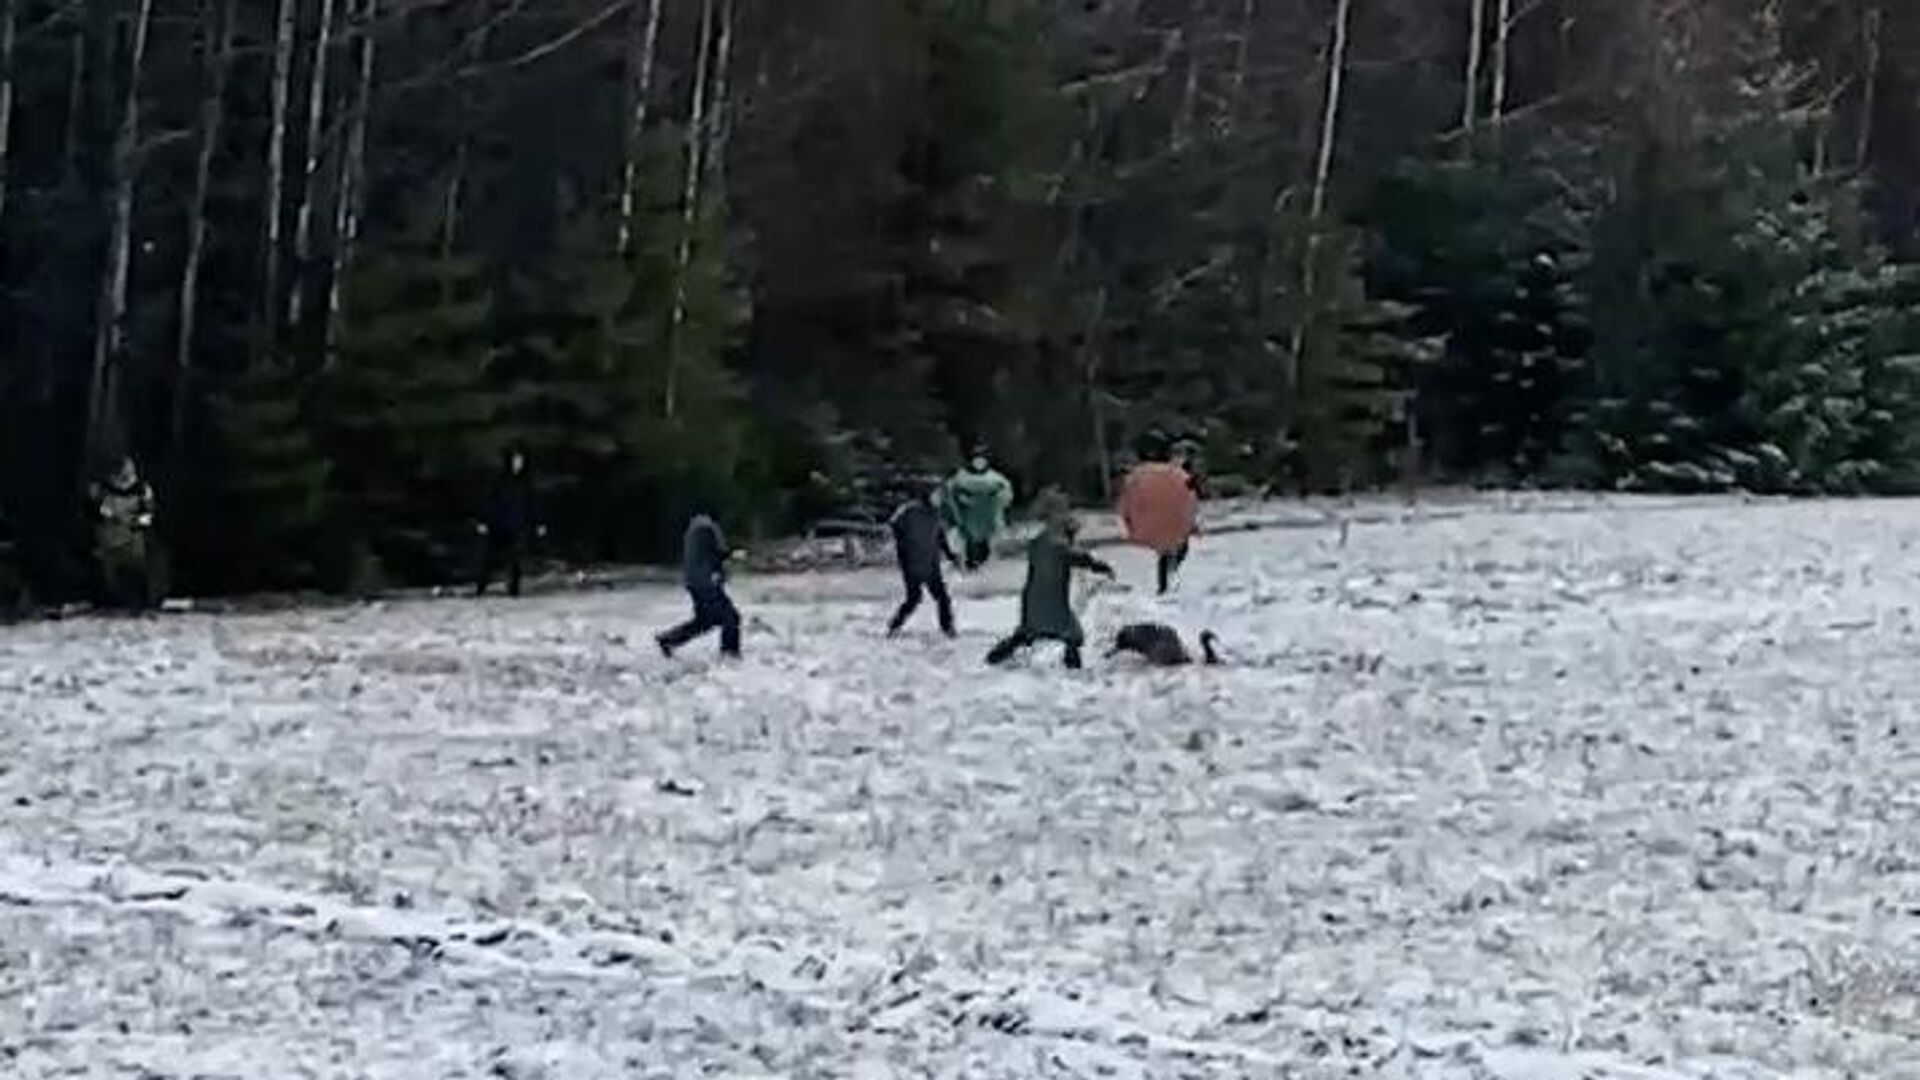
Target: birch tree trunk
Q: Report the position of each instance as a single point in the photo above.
(689, 206)
(1870, 20)
(1322, 176)
(721, 127)
(353, 179)
(1502, 35)
(9, 30)
(110, 331)
(310, 186)
(1476, 43)
(646, 40)
(282, 93)
(1330, 120)
(221, 17)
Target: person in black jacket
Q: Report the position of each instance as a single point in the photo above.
(703, 561)
(508, 520)
(920, 540)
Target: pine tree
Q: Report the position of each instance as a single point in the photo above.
(1689, 292)
(585, 394)
(1359, 355)
(1831, 392)
(702, 453)
(272, 497)
(969, 222)
(405, 414)
(1490, 255)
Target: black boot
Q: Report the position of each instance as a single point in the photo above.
(1004, 651)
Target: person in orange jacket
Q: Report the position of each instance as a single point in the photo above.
(1160, 504)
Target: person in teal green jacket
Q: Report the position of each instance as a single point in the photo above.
(1046, 604)
(973, 503)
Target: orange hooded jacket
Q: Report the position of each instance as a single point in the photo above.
(1159, 506)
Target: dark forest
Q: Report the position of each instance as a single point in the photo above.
(313, 265)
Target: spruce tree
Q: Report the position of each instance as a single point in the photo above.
(1359, 356)
(405, 414)
(1489, 254)
(587, 391)
(272, 494)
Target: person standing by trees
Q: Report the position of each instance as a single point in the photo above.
(123, 518)
(1046, 605)
(508, 520)
(704, 558)
(920, 540)
(1160, 504)
(974, 503)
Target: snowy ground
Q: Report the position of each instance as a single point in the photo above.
(1627, 792)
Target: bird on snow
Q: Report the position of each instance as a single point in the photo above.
(1160, 645)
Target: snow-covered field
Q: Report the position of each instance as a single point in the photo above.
(1631, 792)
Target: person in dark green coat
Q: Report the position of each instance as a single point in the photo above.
(1046, 605)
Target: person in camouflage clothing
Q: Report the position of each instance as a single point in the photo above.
(123, 518)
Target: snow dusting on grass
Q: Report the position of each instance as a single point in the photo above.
(1622, 791)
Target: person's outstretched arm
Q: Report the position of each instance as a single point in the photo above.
(1086, 560)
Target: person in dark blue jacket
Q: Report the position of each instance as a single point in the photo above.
(704, 557)
(920, 540)
(508, 521)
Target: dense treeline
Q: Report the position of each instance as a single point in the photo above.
(313, 264)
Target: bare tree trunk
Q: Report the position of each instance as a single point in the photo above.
(353, 179)
(1184, 118)
(76, 105)
(1097, 398)
(1502, 36)
(310, 188)
(456, 194)
(463, 153)
(282, 92)
(9, 30)
(1322, 176)
(110, 332)
(221, 16)
(689, 205)
(1330, 120)
(1476, 43)
(1241, 58)
(721, 127)
(646, 40)
(1869, 83)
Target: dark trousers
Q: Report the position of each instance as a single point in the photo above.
(976, 554)
(1170, 563)
(497, 553)
(712, 610)
(1021, 639)
(126, 580)
(918, 587)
